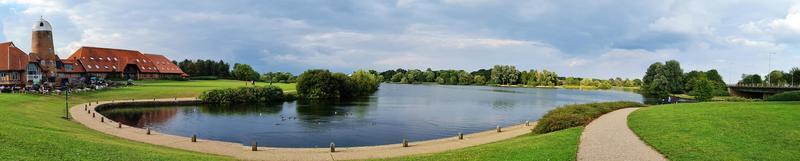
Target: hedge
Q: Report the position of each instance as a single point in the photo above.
(577, 115)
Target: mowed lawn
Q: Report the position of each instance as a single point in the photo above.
(560, 145)
(721, 130)
(31, 127)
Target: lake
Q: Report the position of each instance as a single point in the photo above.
(394, 113)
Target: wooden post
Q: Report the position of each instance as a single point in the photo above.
(148, 131)
(498, 128)
(154, 99)
(405, 142)
(333, 147)
(85, 108)
(119, 125)
(254, 145)
(527, 123)
(460, 136)
(194, 137)
(88, 112)
(92, 115)
(102, 119)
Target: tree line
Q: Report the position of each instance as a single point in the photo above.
(323, 84)
(776, 77)
(498, 75)
(199, 67)
(663, 79)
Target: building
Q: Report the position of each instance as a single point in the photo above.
(13, 64)
(43, 66)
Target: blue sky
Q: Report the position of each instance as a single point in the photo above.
(598, 39)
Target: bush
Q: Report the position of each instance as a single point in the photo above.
(174, 78)
(266, 94)
(204, 78)
(577, 115)
(785, 96)
(323, 84)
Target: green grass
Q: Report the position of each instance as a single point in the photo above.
(721, 130)
(31, 127)
(559, 145)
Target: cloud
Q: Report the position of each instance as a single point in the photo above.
(601, 39)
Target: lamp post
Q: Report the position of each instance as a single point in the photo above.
(66, 103)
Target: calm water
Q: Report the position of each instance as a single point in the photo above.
(395, 112)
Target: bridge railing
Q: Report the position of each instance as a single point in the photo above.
(764, 85)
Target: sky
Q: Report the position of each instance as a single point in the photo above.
(598, 39)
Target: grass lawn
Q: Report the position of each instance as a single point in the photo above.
(31, 127)
(721, 130)
(559, 145)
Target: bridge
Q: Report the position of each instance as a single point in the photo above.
(759, 90)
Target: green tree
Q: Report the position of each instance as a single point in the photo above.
(649, 76)
(430, 76)
(776, 78)
(505, 74)
(794, 76)
(703, 89)
(480, 80)
(365, 82)
(244, 72)
(316, 84)
(660, 87)
(397, 77)
(751, 79)
(674, 74)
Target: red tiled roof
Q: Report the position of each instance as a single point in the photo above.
(12, 58)
(76, 66)
(163, 64)
(96, 59)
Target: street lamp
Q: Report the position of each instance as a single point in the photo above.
(66, 103)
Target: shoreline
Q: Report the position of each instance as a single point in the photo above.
(82, 114)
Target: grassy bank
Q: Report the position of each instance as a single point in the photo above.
(721, 130)
(559, 145)
(32, 127)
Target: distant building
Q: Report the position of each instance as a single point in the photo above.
(43, 66)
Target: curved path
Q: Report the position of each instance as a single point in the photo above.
(609, 138)
(83, 114)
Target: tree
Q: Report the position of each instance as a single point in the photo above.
(660, 87)
(674, 74)
(794, 76)
(703, 89)
(750, 79)
(316, 84)
(430, 76)
(480, 80)
(776, 78)
(244, 72)
(365, 82)
(397, 77)
(649, 76)
(505, 74)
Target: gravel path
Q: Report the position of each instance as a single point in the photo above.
(83, 114)
(609, 138)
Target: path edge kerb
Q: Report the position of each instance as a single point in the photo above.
(82, 113)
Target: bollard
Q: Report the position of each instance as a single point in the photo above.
(254, 145)
(405, 142)
(527, 123)
(119, 125)
(92, 115)
(97, 102)
(133, 99)
(176, 98)
(88, 112)
(333, 147)
(498, 128)
(85, 108)
(154, 99)
(102, 119)
(460, 136)
(148, 131)
(194, 137)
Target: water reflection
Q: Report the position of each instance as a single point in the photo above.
(395, 112)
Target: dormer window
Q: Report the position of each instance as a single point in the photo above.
(115, 67)
(106, 66)
(88, 67)
(115, 58)
(96, 66)
(92, 58)
(137, 60)
(109, 58)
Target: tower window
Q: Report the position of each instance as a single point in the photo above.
(41, 24)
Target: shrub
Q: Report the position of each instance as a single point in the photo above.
(174, 78)
(785, 96)
(577, 115)
(266, 94)
(323, 84)
(204, 78)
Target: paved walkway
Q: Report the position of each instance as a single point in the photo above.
(609, 138)
(82, 114)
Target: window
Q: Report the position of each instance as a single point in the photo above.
(115, 58)
(109, 58)
(115, 67)
(137, 60)
(88, 67)
(68, 67)
(106, 66)
(96, 66)
(92, 58)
